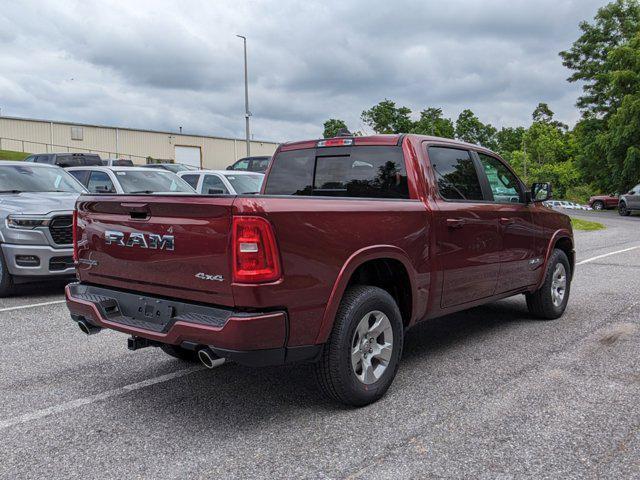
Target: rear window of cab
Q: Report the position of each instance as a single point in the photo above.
(359, 171)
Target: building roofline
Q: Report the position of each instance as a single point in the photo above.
(165, 132)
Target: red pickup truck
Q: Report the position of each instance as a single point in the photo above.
(351, 242)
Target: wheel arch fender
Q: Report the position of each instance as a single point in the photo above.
(358, 258)
(564, 236)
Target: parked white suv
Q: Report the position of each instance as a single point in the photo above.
(223, 182)
(129, 180)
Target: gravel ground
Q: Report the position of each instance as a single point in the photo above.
(487, 393)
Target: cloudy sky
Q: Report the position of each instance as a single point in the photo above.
(160, 65)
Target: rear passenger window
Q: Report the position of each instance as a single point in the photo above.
(213, 182)
(455, 174)
(81, 175)
(99, 182)
(363, 172)
(191, 180)
(259, 165)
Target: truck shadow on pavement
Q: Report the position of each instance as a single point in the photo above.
(251, 396)
(40, 289)
(441, 333)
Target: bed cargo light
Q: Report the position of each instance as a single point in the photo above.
(336, 142)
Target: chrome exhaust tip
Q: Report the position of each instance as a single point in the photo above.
(209, 359)
(87, 328)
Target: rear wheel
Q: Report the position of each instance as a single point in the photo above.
(361, 357)
(623, 210)
(6, 280)
(598, 206)
(550, 301)
(179, 352)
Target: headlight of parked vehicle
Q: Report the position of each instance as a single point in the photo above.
(26, 222)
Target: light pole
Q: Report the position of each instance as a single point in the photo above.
(247, 113)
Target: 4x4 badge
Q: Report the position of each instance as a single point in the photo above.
(206, 276)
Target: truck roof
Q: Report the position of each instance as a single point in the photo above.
(373, 140)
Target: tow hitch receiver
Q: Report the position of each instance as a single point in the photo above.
(136, 343)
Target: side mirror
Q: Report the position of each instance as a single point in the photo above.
(215, 191)
(540, 192)
(230, 167)
(631, 193)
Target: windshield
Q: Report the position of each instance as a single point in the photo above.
(23, 178)
(245, 183)
(151, 181)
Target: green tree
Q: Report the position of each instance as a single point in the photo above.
(590, 155)
(470, 129)
(546, 143)
(621, 141)
(385, 117)
(433, 123)
(544, 114)
(509, 140)
(614, 25)
(332, 127)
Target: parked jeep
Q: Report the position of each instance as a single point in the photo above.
(603, 202)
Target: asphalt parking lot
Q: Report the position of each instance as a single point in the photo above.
(482, 394)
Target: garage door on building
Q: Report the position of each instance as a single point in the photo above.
(188, 155)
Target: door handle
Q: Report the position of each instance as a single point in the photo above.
(507, 221)
(455, 222)
(137, 211)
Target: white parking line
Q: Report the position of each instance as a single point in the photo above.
(42, 304)
(63, 407)
(607, 255)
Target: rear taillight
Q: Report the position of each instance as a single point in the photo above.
(255, 253)
(74, 235)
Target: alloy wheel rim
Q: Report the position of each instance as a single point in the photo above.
(558, 284)
(371, 347)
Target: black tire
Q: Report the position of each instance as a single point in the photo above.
(623, 210)
(334, 372)
(540, 302)
(6, 280)
(598, 205)
(180, 353)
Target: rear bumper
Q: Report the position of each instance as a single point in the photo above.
(249, 338)
(52, 262)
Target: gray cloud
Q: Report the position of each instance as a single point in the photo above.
(163, 65)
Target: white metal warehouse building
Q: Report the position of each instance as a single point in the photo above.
(44, 136)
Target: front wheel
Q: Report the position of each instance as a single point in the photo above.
(361, 357)
(550, 301)
(623, 210)
(6, 280)
(598, 206)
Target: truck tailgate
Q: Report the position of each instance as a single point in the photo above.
(176, 246)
